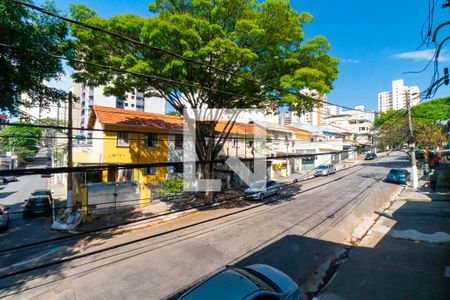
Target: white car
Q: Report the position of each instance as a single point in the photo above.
(324, 170)
(4, 217)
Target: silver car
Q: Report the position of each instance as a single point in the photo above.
(260, 189)
(4, 217)
(324, 170)
(252, 282)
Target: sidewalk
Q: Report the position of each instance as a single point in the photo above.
(405, 255)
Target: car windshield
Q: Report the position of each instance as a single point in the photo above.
(258, 185)
(38, 200)
(40, 192)
(323, 167)
(230, 284)
(397, 172)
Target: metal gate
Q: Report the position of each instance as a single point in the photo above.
(107, 197)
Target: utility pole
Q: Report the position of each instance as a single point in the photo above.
(69, 153)
(411, 145)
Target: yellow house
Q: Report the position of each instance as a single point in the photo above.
(122, 137)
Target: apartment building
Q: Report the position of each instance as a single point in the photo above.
(358, 121)
(313, 118)
(134, 101)
(397, 97)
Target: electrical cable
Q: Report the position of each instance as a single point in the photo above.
(174, 54)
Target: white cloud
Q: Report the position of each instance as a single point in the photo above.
(422, 55)
(349, 61)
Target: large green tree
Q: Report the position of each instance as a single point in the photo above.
(23, 73)
(428, 134)
(263, 41)
(23, 140)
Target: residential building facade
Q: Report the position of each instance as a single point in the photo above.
(397, 97)
(134, 101)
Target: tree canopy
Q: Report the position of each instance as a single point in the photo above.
(263, 41)
(427, 133)
(24, 72)
(23, 140)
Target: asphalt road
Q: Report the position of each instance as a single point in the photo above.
(298, 234)
(13, 195)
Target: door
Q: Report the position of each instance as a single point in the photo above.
(271, 188)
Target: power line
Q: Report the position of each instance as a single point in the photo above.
(172, 53)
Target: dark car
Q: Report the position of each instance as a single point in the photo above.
(37, 205)
(7, 179)
(252, 282)
(398, 176)
(4, 217)
(370, 156)
(47, 174)
(42, 192)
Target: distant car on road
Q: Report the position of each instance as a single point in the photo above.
(37, 205)
(324, 170)
(252, 282)
(370, 156)
(42, 192)
(45, 174)
(261, 189)
(398, 176)
(8, 179)
(4, 217)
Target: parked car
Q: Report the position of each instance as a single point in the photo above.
(398, 176)
(41, 192)
(261, 189)
(324, 170)
(45, 174)
(370, 156)
(4, 217)
(7, 179)
(252, 282)
(37, 205)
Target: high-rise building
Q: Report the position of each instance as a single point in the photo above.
(333, 110)
(316, 117)
(396, 99)
(89, 96)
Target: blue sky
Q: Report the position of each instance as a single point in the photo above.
(373, 39)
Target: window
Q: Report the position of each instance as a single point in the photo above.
(123, 139)
(152, 140)
(150, 171)
(132, 105)
(126, 104)
(235, 142)
(178, 141)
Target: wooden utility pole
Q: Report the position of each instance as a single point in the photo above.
(69, 153)
(412, 148)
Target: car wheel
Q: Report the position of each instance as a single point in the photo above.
(278, 191)
(261, 196)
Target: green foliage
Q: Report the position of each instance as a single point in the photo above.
(22, 140)
(427, 112)
(263, 41)
(171, 187)
(427, 135)
(431, 111)
(23, 72)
